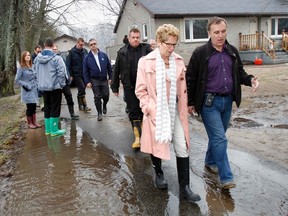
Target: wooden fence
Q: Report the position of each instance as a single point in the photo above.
(257, 41)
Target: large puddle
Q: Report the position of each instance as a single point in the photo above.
(93, 171)
(76, 175)
(70, 175)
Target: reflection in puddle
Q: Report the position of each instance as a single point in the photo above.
(68, 175)
(220, 202)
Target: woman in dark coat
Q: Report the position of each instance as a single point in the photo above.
(26, 78)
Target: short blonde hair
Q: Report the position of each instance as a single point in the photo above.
(166, 30)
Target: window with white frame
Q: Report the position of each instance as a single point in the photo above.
(278, 25)
(144, 32)
(195, 29)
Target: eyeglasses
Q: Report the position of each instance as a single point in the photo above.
(169, 45)
(92, 44)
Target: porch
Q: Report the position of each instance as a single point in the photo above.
(258, 45)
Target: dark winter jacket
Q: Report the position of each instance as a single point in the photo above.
(196, 74)
(91, 69)
(74, 61)
(122, 67)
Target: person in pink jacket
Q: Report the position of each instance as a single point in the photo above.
(161, 90)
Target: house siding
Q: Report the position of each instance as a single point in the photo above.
(133, 15)
(137, 14)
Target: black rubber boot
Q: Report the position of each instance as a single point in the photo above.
(72, 114)
(104, 108)
(105, 101)
(80, 104)
(183, 179)
(160, 182)
(99, 110)
(86, 108)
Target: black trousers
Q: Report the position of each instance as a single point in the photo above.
(52, 103)
(80, 85)
(100, 90)
(68, 95)
(133, 104)
(31, 109)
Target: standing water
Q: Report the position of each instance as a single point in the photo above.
(91, 170)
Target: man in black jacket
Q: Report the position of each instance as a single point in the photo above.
(74, 64)
(126, 66)
(214, 77)
(66, 90)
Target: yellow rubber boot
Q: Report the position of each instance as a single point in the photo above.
(136, 143)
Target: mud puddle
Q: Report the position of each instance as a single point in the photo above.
(77, 175)
(68, 175)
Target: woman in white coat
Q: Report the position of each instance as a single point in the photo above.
(26, 78)
(161, 89)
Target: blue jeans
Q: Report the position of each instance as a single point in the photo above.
(216, 120)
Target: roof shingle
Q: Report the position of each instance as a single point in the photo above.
(216, 7)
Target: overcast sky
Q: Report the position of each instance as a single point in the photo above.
(87, 15)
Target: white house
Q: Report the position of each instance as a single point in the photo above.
(264, 20)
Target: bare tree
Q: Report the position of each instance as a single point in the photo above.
(102, 30)
(24, 22)
(111, 7)
(9, 11)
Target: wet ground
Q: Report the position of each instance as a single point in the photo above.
(93, 171)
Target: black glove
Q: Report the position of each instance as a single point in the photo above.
(25, 88)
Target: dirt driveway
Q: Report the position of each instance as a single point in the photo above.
(260, 125)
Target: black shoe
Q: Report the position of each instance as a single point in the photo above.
(160, 182)
(99, 118)
(188, 195)
(104, 109)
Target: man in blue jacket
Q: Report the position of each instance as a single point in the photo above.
(97, 74)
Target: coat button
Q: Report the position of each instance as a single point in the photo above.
(182, 78)
(185, 91)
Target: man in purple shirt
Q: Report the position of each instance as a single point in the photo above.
(214, 77)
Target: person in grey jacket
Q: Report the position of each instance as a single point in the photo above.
(51, 74)
(26, 78)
